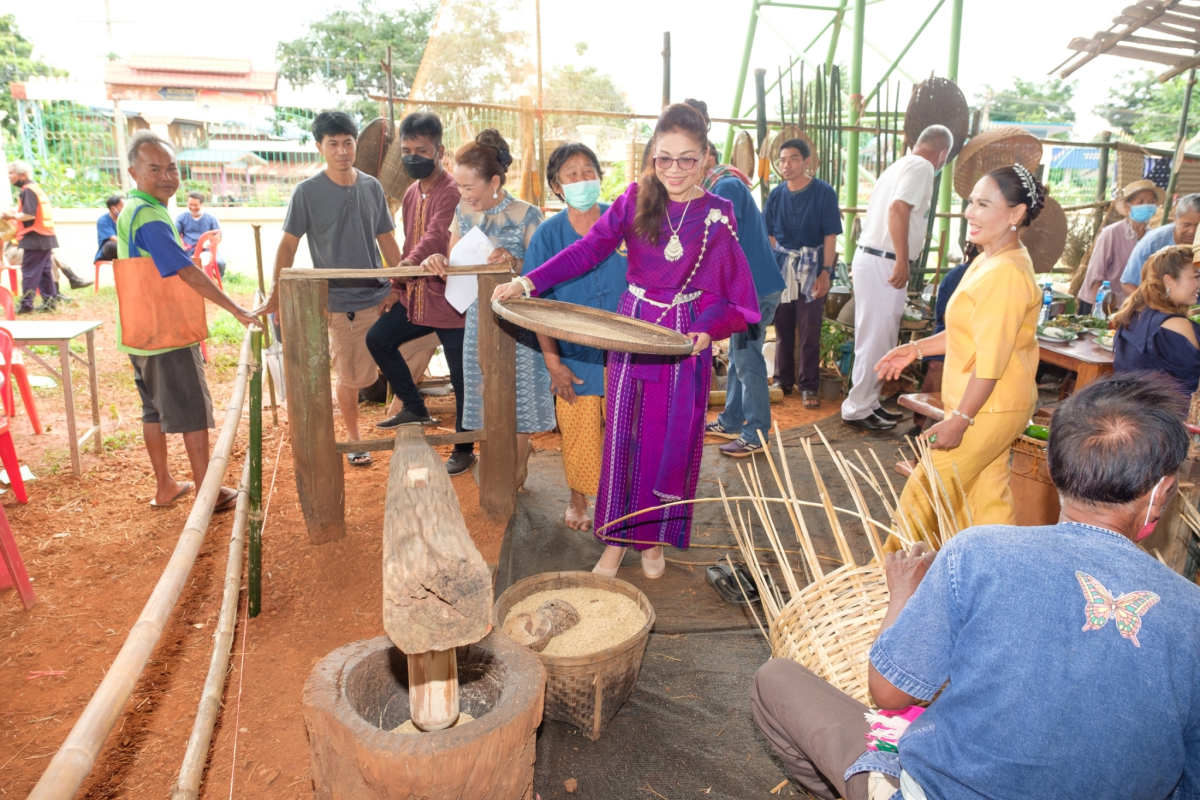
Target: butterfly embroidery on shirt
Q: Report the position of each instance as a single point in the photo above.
(1128, 608)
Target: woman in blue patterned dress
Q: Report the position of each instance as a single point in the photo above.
(509, 223)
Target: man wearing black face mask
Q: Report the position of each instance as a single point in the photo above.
(418, 306)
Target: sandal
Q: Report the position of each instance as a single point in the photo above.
(359, 459)
(739, 591)
(810, 399)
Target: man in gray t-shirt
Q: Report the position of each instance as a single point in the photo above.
(345, 216)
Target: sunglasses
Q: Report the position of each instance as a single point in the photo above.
(687, 163)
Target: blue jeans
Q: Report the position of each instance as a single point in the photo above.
(747, 392)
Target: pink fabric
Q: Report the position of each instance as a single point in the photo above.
(440, 204)
(1110, 254)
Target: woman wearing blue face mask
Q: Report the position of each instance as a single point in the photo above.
(1137, 203)
(577, 372)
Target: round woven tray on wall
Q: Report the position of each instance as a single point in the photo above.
(586, 691)
(372, 145)
(392, 175)
(937, 101)
(992, 149)
(788, 133)
(1046, 238)
(830, 626)
(743, 154)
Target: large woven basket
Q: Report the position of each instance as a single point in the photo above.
(372, 146)
(392, 175)
(830, 626)
(743, 156)
(1046, 238)
(992, 149)
(586, 691)
(937, 101)
(788, 133)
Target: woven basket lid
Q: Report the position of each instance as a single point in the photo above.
(593, 327)
(743, 154)
(937, 101)
(392, 175)
(992, 149)
(372, 145)
(788, 133)
(1046, 238)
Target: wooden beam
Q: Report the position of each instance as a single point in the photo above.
(1178, 44)
(297, 274)
(1138, 16)
(318, 466)
(498, 453)
(1140, 54)
(432, 439)
(1179, 69)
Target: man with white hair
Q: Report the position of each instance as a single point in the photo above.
(34, 218)
(893, 234)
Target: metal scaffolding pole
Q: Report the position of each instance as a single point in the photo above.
(856, 64)
(1180, 146)
(742, 72)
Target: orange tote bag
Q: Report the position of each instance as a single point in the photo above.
(156, 312)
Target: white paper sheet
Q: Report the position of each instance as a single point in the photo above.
(471, 250)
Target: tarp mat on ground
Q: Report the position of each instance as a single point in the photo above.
(686, 731)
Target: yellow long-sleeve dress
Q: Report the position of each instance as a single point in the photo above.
(991, 330)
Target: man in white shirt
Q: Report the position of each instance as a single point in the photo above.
(896, 222)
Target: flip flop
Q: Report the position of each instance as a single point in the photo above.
(721, 578)
(187, 487)
(359, 459)
(810, 399)
(228, 504)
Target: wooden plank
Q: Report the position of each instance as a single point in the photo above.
(298, 274)
(1142, 54)
(432, 439)
(437, 590)
(320, 481)
(498, 453)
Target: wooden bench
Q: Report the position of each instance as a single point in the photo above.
(927, 403)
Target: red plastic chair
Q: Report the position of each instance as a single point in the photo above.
(8, 450)
(22, 376)
(96, 282)
(207, 246)
(13, 575)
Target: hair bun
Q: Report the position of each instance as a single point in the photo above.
(490, 137)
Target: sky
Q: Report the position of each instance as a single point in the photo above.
(1021, 38)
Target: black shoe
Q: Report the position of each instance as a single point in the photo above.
(62, 299)
(890, 416)
(871, 423)
(46, 307)
(460, 461)
(75, 281)
(24, 310)
(404, 418)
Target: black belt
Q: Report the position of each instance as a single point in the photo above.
(871, 251)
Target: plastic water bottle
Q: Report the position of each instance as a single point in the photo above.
(1047, 299)
(1102, 294)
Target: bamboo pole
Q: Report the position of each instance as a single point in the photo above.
(191, 773)
(266, 322)
(305, 274)
(254, 565)
(77, 756)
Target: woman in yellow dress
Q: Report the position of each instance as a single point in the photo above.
(989, 388)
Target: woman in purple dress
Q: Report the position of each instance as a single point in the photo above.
(687, 273)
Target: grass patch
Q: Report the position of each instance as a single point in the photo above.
(239, 283)
(121, 440)
(224, 329)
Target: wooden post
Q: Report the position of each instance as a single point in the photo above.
(320, 481)
(529, 176)
(437, 590)
(498, 451)
(666, 56)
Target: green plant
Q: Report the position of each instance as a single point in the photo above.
(833, 336)
(614, 183)
(224, 329)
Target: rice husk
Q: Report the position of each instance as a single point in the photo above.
(606, 619)
(409, 727)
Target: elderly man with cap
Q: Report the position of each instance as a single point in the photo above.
(1056, 661)
(1136, 204)
(35, 237)
(1180, 232)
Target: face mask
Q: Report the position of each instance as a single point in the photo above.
(1142, 213)
(1147, 525)
(582, 195)
(418, 167)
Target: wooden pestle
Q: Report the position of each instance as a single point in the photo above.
(437, 590)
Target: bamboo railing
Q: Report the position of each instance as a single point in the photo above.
(76, 757)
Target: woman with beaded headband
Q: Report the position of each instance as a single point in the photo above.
(989, 390)
(688, 273)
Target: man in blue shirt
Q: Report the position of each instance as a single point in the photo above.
(106, 229)
(1061, 661)
(1180, 232)
(803, 221)
(195, 222)
(747, 411)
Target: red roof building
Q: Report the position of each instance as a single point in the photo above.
(158, 77)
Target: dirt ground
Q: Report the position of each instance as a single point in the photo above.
(95, 549)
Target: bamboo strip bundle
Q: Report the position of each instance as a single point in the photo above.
(830, 624)
(187, 785)
(77, 755)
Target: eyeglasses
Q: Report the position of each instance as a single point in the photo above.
(687, 163)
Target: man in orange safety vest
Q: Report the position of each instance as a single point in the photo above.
(34, 218)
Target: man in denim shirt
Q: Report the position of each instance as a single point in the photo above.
(1065, 660)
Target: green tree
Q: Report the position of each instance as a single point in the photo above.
(345, 49)
(476, 56)
(567, 87)
(16, 64)
(1028, 101)
(1148, 110)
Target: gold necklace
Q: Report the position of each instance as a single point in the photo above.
(674, 249)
